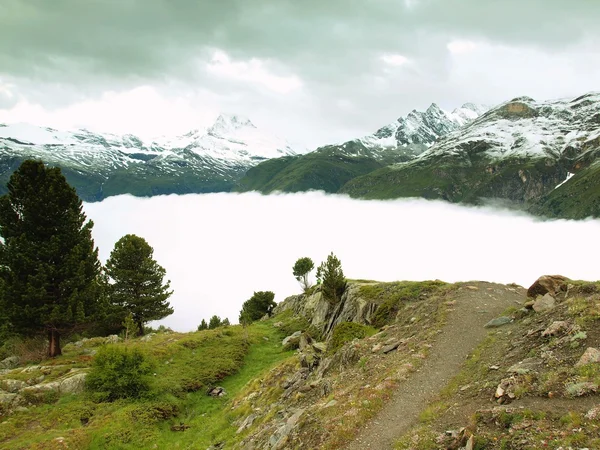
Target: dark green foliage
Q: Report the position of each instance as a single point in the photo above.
(346, 332)
(331, 277)
(203, 325)
(119, 372)
(137, 281)
(290, 323)
(225, 322)
(214, 322)
(301, 269)
(391, 297)
(49, 264)
(257, 306)
(321, 170)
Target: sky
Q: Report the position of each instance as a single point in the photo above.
(218, 249)
(315, 72)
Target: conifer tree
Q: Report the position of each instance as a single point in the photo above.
(331, 275)
(257, 306)
(214, 322)
(203, 325)
(136, 281)
(48, 261)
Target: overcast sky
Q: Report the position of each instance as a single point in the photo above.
(312, 71)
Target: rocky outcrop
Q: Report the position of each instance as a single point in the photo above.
(324, 315)
(548, 284)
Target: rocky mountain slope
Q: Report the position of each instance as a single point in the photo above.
(421, 365)
(520, 151)
(329, 167)
(101, 165)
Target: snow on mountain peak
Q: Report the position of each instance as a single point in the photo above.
(228, 123)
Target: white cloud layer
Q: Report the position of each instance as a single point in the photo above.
(220, 248)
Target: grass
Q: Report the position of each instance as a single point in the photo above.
(187, 364)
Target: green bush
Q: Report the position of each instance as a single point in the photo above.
(346, 332)
(119, 372)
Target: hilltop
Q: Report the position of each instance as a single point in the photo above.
(418, 365)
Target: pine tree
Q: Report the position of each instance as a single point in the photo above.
(331, 275)
(257, 306)
(214, 322)
(49, 263)
(203, 325)
(136, 281)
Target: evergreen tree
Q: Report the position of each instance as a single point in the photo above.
(225, 322)
(203, 325)
(331, 276)
(136, 281)
(301, 270)
(257, 306)
(214, 322)
(48, 260)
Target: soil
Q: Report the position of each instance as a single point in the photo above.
(475, 304)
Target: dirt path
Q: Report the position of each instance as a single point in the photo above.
(461, 335)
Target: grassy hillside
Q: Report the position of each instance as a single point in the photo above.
(185, 366)
(579, 198)
(314, 171)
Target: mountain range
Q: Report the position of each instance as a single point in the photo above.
(100, 165)
(541, 156)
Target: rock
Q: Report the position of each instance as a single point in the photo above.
(112, 339)
(593, 413)
(499, 392)
(498, 322)
(391, 347)
(581, 389)
(148, 337)
(247, 423)
(470, 443)
(7, 399)
(278, 324)
(526, 366)
(281, 437)
(292, 340)
(557, 327)
(305, 341)
(529, 304)
(12, 386)
(472, 288)
(319, 347)
(590, 356)
(548, 284)
(216, 392)
(376, 348)
(74, 384)
(545, 303)
(9, 363)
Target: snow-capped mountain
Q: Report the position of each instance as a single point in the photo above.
(525, 128)
(410, 135)
(101, 164)
(523, 151)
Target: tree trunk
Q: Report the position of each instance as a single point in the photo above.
(140, 325)
(54, 343)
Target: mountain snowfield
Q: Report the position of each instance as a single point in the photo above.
(526, 128)
(204, 160)
(423, 128)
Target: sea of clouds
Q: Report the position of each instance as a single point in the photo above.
(220, 248)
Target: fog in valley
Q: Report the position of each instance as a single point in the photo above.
(220, 248)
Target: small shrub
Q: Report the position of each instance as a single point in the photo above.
(119, 372)
(154, 413)
(346, 332)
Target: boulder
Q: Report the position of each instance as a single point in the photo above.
(545, 303)
(305, 341)
(217, 392)
(293, 340)
(498, 322)
(12, 386)
(319, 347)
(526, 366)
(590, 356)
(9, 363)
(391, 347)
(556, 328)
(148, 337)
(7, 399)
(548, 284)
(74, 384)
(112, 339)
(581, 389)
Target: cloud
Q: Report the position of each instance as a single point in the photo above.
(253, 71)
(220, 248)
(292, 63)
